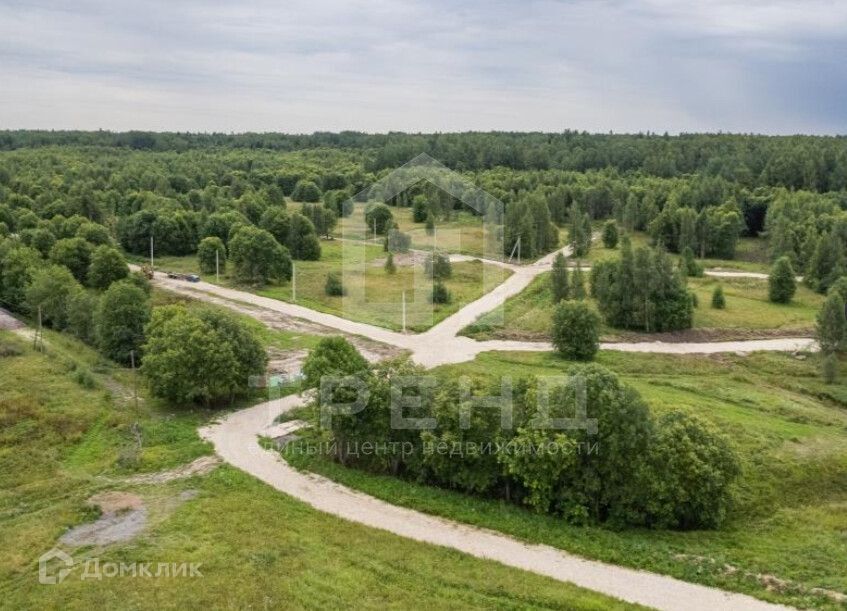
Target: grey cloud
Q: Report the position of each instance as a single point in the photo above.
(382, 65)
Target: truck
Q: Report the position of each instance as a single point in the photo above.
(186, 277)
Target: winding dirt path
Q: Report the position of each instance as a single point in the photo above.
(236, 441)
(442, 345)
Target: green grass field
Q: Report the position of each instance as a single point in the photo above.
(462, 234)
(790, 517)
(62, 441)
(748, 312)
(380, 303)
(751, 254)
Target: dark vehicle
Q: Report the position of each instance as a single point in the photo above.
(188, 277)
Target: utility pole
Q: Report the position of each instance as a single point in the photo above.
(293, 282)
(134, 378)
(217, 266)
(151, 252)
(38, 340)
(404, 311)
(374, 229)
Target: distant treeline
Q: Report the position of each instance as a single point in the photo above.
(813, 163)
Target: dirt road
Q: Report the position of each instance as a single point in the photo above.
(236, 440)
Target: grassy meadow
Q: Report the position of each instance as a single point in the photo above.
(68, 418)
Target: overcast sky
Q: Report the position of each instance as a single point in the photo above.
(379, 65)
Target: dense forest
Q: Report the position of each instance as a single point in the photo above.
(796, 162)
(64, 194)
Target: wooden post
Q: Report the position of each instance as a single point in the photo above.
(217, 266)
(37, 341)
(151, 253)
(293, 282)
(134, 378)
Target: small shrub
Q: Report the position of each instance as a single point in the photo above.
(440, 294)
(718, 300)
(9, 350)
(397, 241)
(390, 267)
(84, 378)
(438, 267)
(334, 287)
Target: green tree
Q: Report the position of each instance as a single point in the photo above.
(211, 255)
(718, 300)
(73, 253)
(390, 267)
(81, 309)
(193, 358)
(276, 221)
(539, 472)
(397, 241)
(831, 323)
(689, 265)
(94, 233)
(580, 232)
(250, 356)
(122, 313)
(332, 356)
(222, 224)
(610, 234)
(40, 238)
(578, 283)
(575, 330)
(693, 468)
(51, 290)
(559, 279)
(462, 420)
(840, 287)
(257, 257)
(19, 263)
(323, 218)
(378, 218)
(438, 267)
(781, 283)
(826, 264)
(306, 191)
(107, 266)
(600, 486)
(303, 243)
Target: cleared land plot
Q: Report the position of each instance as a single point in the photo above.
(381, 302)
(748, 313)
(462, 234)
